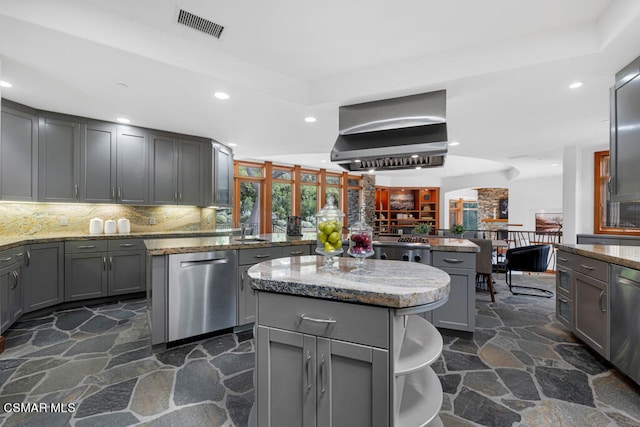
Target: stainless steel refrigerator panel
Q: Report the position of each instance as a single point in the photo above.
(202, 293)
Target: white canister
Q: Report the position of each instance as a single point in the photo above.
(109, 226)
(95, 226)
(124, 226)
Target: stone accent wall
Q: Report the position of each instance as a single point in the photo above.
(369, 195)
(28, 219)
(488, 200)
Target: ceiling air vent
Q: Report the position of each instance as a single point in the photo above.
(198, 23)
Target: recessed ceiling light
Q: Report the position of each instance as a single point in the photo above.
(575, 85)
(418, 167)
(221, 95)
(122, 84)
(555, 164)
(310, 119)
(232, 144)
(323, 161)
(5, 84)
(372, 170)
(414, 156)
(123, 120)
(357, 160)
(453, 143)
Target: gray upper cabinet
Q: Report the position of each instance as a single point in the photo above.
(98, 165)
(222, 175)
(59, 160)
(177, 171)
(18, 155)
(624, 147)
(132, 166)
(114, 164)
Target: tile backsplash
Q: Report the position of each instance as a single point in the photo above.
(28, 219)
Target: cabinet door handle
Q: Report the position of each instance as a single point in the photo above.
(261, 256)
(126, 245)
(113, 193)
(15, 279)
(75, 191)
(303, 316)
(104, 263)
(566, 301)
(86, 246)
(110, 263)
(588, 267)
(28, 257)
(308, 368)
(601, 299)
(175, 196)
(453, 260)
(119, 193)
(563, 259)
(180, 196)
(322, 375)
(242, 281)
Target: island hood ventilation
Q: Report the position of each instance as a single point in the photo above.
(393, 134)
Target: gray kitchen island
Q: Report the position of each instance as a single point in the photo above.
(340, 346)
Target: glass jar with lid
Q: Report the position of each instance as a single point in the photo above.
(329, 231)
(360, 242)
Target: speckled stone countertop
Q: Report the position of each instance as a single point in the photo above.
(219, 243)
(9, 242)
(394, 284)
(626, 256)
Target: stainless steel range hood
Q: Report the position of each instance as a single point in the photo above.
(392, 134)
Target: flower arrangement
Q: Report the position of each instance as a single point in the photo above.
(422, 228)
(457, 229)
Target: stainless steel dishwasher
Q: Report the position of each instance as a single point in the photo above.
(625, 321)
(202, 293)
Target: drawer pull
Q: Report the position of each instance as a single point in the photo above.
(18, 255)
(563, 300)
(296, 253)
(588, 267)
(126, 245)
(303, 316)
(563, 259)
(6, 259)
(453, 260)
(86, 246)
(261, 256)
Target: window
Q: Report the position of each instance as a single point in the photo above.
(289, 190)
(611, 217)
(464, 212)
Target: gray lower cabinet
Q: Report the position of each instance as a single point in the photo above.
(98, 268)
(11, 290)
(177, 171)
(43, 278)
(18, 155)
(58, 160)
(320, 381)
(591, 322)
(459, 311)
(246, 259)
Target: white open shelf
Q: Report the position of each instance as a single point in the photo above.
(422, 345)
(421, 399)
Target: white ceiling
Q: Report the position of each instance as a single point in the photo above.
(506, 66)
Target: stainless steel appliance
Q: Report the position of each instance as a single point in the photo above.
(392, 134)
(202, 293)
(624, 339)
(406, 248)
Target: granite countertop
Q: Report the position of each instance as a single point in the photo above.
(218, 243)
(9, 242)
(394, 284)
(626, 256)
(448, 244)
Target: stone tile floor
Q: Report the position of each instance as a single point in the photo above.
(521, 368)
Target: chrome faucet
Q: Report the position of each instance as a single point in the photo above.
(243, 231)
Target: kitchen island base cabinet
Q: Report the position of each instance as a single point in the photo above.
(459, 313)
(591, 313)
(319, 381)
